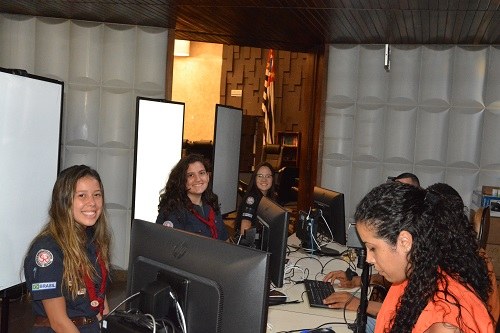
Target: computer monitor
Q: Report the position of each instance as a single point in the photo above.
(331, 205)
(273, 219)
(221, 287)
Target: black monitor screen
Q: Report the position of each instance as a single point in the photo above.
(331, 204)
(274, 221)
(221, 287)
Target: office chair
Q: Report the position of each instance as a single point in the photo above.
(481, 221)
(273, 154)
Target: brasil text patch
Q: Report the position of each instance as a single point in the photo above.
(43, 286)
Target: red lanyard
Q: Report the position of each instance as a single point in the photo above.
(210, 222)
(97, 301)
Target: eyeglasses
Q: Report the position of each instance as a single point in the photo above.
(261, 176)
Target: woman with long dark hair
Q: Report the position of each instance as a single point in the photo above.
(421, 244)
(187, 201)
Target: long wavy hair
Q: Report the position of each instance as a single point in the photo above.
(69, 234)
(174, 195)
(271, 193)
(444, 241)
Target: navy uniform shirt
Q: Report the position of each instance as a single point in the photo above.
(185, 220)
(43, 269)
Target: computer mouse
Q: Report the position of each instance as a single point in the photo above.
(322, 330)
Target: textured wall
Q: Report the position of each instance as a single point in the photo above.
(435, 113)
(196, 82)
(104, 67)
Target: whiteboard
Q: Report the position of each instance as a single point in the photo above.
(30, 121)
(158, 148)
(227, 138)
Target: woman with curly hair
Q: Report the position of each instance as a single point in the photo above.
(67, 264)
(430, 254)
(188, 203)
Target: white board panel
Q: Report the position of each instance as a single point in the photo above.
(30, 121)
(159, 130)
(226, 161)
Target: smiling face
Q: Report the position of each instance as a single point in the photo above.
(197, 179)
(389, 260)
(264, 179)
(87, 201)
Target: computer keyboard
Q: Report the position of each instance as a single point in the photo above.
(317, 291)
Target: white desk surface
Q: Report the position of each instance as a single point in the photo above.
(291, 317)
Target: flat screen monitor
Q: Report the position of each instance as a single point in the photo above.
(220, 287)
(331, 218)
(273, 219)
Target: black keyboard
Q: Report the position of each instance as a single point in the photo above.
(317, 291)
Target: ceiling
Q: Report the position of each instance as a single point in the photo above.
(294, 25)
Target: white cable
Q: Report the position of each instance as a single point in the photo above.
(153, 321)
(179, 312)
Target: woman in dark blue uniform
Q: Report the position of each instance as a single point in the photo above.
(261, 184)
(66, 267)
(188, 203)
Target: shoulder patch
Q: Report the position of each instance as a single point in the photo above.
(43, 286)
(44, 258)
(250, 200)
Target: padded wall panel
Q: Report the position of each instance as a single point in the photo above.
(469, 76)
(118, 220)
(491, 140)
(399, 138)
(52, 48)
(464, 137)
(492, 93)
(119, 55)
(371, 69)
(462, 180)
(435, 75)
(343, 71)
(405, 74)
(85, 59)
(151, 55)
(369, 134)
(18, 32)
(339, 177)
(73, 155)
(116, 121)
(364, 176)
(339, 124)
(82, 115)
(432, 130)
(113, 162)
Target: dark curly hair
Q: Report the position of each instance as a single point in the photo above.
(444, 242)
(174, 195)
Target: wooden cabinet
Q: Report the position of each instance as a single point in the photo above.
(290, 141)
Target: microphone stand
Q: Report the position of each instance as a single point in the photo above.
(359, 325)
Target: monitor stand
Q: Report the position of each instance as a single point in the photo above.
(276, 298)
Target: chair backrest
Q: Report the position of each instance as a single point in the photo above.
(273, 154)
(481, 220)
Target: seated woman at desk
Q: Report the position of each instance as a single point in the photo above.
(188, 203)
(261, 185)
(439, 279)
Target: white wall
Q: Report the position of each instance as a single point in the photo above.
(436, 114)
(104, 67)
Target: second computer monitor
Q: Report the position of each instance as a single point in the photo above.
(274, 221)
(331, 204)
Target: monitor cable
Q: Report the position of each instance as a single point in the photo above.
(180, 313)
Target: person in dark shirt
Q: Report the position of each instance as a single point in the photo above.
(261, 185)
(188, 203)
(67, 264)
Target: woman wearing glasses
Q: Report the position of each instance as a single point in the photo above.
(261, 184)
(188, 203)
